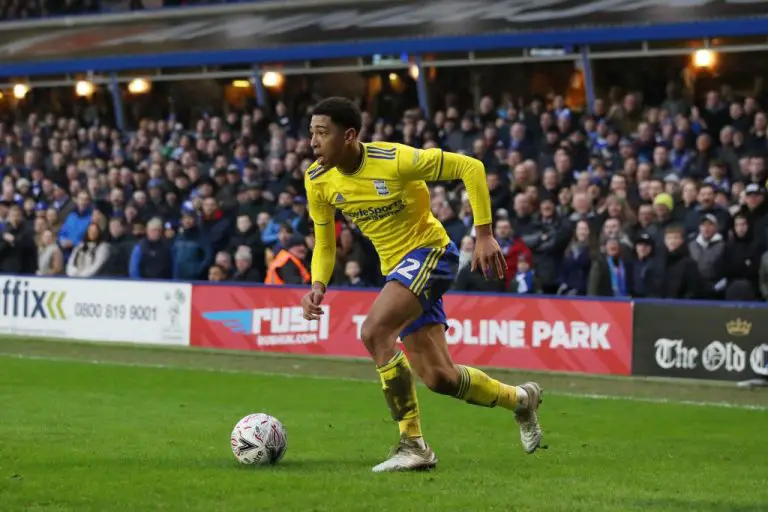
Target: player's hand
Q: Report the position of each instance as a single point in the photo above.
(310, 303)
(488, 257)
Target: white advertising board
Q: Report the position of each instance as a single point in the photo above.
(96, 310)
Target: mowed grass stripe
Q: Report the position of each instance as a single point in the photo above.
(78, 436)
(303, 375)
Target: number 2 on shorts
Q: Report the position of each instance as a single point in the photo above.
(407, 267)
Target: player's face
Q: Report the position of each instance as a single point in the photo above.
(328, 140)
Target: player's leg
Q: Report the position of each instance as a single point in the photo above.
(395, 308)
(428, 353)
(427, 348)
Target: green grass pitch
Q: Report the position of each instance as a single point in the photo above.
(148, 429)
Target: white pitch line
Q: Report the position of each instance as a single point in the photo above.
(590, 396)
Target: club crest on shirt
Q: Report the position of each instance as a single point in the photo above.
(381, 187)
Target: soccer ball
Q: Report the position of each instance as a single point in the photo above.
(259, 439)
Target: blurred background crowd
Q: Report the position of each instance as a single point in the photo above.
(658, 190)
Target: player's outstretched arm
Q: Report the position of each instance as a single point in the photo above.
(437, 165)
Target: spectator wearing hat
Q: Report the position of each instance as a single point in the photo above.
(609, 274)
(288, 266)
(663, 209)
(707, 206)
(18, 253)
(643, 266)
(90, 255)
(192, 253)
(245, 272)
(755, 209)
(678, 276)
(708, 251)
(152, 257)
(76, 223)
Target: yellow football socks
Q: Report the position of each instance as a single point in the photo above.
(400, 392)
(475, 387)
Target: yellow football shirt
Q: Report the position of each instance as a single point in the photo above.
(388, 199)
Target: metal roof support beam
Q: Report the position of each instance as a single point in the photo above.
(589, 85)
(262, 100)
(422, 87)
(117, 102)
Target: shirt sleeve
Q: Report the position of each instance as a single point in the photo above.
(324, 254)
(437, 165)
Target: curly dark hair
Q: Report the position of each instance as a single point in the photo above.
(342, 112)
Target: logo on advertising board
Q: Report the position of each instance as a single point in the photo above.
(732, 350)
(22, 298)
(274, 326)
(173, 321)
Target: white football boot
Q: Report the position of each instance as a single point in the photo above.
(408, 455)
(530, 431)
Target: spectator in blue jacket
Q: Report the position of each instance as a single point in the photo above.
(76, 224)
(191, 251)
(284, 213)
(152, 258)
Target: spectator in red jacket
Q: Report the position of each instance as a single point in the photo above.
(513, 247)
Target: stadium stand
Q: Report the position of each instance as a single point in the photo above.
(169, 201)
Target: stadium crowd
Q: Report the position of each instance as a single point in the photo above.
(631, 200)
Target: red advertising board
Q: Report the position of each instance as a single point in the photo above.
(484, 330)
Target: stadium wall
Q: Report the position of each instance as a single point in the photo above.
(679, 339)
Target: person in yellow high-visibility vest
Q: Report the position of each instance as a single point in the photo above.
(288, 266)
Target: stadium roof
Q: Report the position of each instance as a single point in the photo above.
(296, 31)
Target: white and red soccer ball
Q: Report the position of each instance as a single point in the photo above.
(259, 439)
